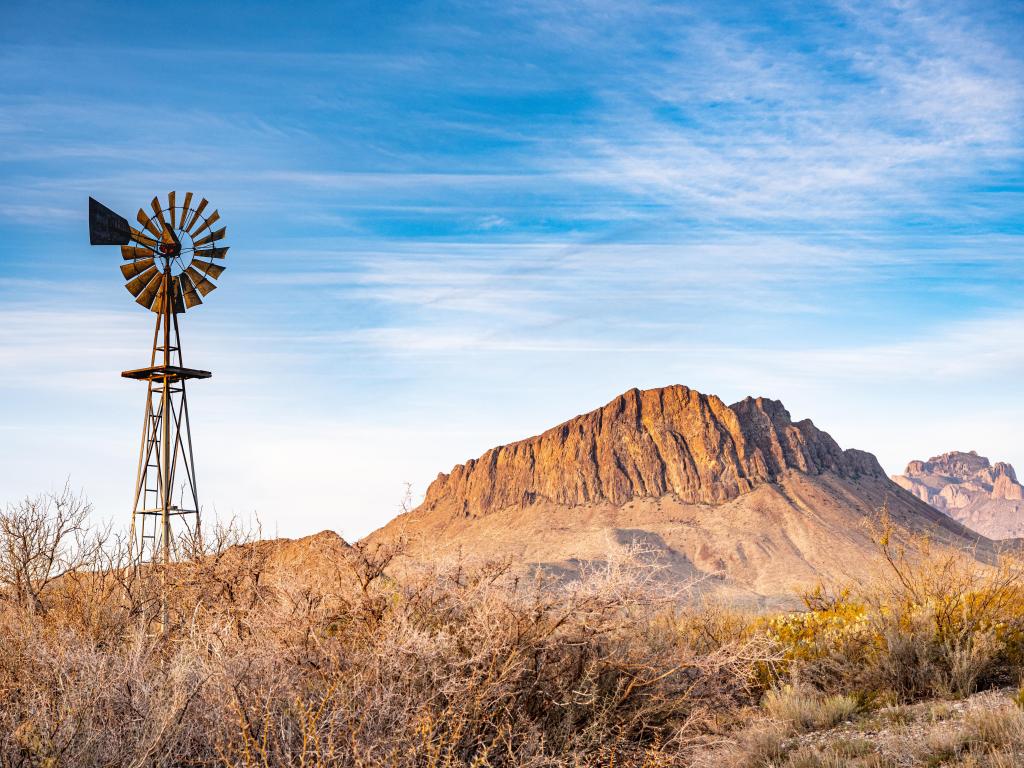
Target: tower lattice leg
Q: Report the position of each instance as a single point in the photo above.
(165, 513)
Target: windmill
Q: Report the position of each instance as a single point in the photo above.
(170, 264)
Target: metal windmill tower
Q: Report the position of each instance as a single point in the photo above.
(170, 263)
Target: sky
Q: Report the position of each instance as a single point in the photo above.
(454, 225)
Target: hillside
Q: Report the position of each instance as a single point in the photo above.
(983, 496)
(740, 498)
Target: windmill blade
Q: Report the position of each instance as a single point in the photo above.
(205, 287)
(135, 268)
(136, 286)
(189, 291)
(170, 207)
(148, 223)
(168, 237)
(208, 223)
(158, 303)
(149, 293)
(161, 294)
(207, 268)
(184, 209)
(159, 213)
(212, 253)
(195, 216)
(131, 252)
(210, 237)
(202, 285)
(138, 237)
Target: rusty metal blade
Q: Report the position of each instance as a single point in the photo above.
(195, 216)
(133, 252)
(212, 253)
(148, 223)
(149, 293)
(135, 268)
(155, 203)
(170, 207)
(168, 237)
(189, 291)
(136, 286)
(138, 237)
(202, 285)
(207, 268)
(184, 209)
(206, 224)
(158, 302)
(210, 237)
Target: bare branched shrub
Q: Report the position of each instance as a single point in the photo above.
(273, 659)
(42, 539)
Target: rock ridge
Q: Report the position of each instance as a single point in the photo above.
(649, 443)
(985, 497)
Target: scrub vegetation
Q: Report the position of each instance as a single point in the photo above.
(272, 657)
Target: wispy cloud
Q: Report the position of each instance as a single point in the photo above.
(882, 118)
(549, 200)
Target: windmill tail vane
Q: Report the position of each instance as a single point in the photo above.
(169, 262)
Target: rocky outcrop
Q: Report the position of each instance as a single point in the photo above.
(983, 496)
(648, 444)
(739, 500)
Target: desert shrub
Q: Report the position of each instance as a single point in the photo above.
(938, 624)
(347, 660)
(341, 664)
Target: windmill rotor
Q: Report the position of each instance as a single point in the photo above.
(180, 239)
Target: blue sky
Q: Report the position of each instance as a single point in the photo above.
(457, 224)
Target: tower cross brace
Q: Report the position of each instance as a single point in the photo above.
(166, 444)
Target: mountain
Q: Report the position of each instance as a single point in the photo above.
(739, 498)
(984, 497)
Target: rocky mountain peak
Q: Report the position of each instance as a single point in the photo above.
(649, 443)
(985, 497)
(955, 464)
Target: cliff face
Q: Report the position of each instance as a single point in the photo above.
(649, 444)
(738, 500)
(983, 496)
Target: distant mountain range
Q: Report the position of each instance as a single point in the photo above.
(985, 497)
(737, 497)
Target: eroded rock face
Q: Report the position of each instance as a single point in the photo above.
(983, 496)
(648, 444)
(737, 501)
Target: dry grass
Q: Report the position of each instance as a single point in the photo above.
(333, 662)
(805, 709)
